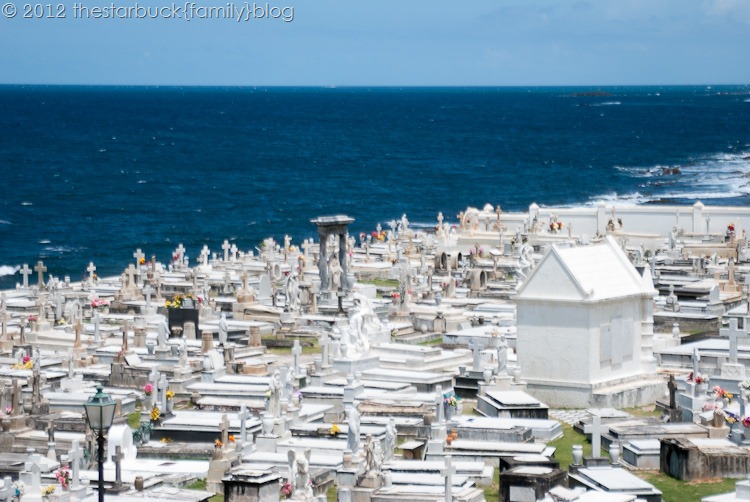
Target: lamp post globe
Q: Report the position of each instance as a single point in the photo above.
(100, 412)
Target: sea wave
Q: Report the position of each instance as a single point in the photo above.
(718, 176)
(5, 222)
(607, 103)
(8, 270)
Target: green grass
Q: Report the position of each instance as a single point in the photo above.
(134, 420)
(673, 490)
(644, 411)
(200, 484)
(386, 283)
(332, 495)
(432, 343)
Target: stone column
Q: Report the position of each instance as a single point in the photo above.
(343, 239)
(323, 259)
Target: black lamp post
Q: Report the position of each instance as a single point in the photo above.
(100, 411)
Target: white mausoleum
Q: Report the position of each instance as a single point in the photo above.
(585, 329)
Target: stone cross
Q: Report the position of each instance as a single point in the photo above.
(25, 272)
(180, 252)
(475, 348)
(36, 478)
(324, 343)
(695, 358)
(16, 399)
(97, 319)
(287, 243)
(306, 245)
(40, 269)
(50, 430)
(91, 269)
(131, 271)
(148, 291)
(75, 455)
(243, 415)
(138, 255)
(596, 436)
(224, 426)
(447, 471)
(162, 388)
(124, 338)
(733, 333)
(117, 459)
(296, 352)
(153, 378)
(672, 386)
(439, 411)
(205, 252)
(233, 252)
(226, 247)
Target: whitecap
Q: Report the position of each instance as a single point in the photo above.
(607, 103)
(102, 150)
(141, 182)
(5, 222)
(24, 203)
(8, 270)
(45, 241)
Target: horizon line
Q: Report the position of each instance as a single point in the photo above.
(366, 86)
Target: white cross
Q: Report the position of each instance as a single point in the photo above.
(91, 269)
(226, 247)
(205, 252)
(596, 435)
(242, 416)
(138, 255)
(733, 333)
(148, 291)
(324, 342)
(296, 351)
(40, 269)
(233, 251)
(131, 271)
(475, 348)
(180, 252)
(447, 471)
(25, 272)
(75, 454)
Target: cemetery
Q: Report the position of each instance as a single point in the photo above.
(576, 354)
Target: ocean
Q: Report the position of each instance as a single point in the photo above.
(92, 173)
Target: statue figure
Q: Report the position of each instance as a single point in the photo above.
(390, 440)
(275, 397)
(334, 273)
(299, 474)
(292, 293)
(502, 357)
(163, 334)
(352, 438)
(223, 329)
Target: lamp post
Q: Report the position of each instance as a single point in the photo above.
(100, 411)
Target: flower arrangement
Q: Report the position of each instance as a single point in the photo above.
(450, 401)
(730, 229)
(730, 417)
(698, 378)
(299, 396)
(268, 394)
(720, 393)
(25, 364)
(148, 389)
(142, 261)
(231, 438)
(31, 318)
(335, 429)
(286, 489)
(99, 302)
(19, 487)
(155, 414)
(170, 394)
(396, 296)
(48, 490)
(556, 226)
(8, 410)
(218, 443)
(379, 235)
(63, 477)
(746, 422)
(178, 300)
(166, 440)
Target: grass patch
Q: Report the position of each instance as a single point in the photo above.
(332, 495)
(134, 420)
(674, 490)
(198, 484)
(432, 343)
(644, 411)
(385, 283)
(564, 446)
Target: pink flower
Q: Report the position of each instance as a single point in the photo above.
(148, 389)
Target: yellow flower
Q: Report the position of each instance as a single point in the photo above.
(218, 443)
(170, 394)
(155, 414)
(48, 490)
(335, 429)
(231, 439)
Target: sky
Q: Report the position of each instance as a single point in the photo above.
(378, 43)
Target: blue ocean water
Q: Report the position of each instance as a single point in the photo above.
(92, 173)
